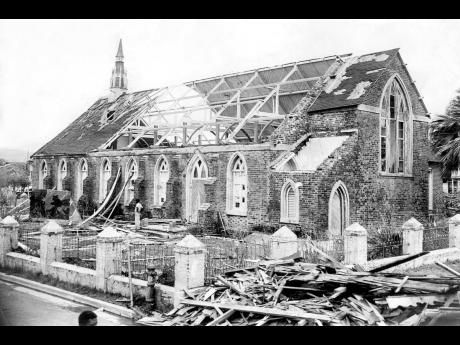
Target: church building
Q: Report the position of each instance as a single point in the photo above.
(315, 145)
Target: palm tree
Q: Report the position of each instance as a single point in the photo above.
(445, 136)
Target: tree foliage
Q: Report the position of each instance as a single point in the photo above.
(445, 136)
(14, 174)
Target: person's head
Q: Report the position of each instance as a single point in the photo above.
(87, 318)
(137, 200)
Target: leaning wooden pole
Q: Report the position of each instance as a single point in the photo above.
(105, 201)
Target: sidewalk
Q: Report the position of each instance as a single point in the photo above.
(70, 296)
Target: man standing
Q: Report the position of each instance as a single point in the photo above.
(137, 214)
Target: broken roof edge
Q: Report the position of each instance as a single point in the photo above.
(290, 64)
(420, 98)
(37, 152)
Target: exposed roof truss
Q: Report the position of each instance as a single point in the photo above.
(240, 107)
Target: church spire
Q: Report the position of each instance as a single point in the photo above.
(119, 81)
(120, 50)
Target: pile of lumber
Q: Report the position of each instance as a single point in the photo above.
(290, 292)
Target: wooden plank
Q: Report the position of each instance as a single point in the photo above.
(397, 262)
(401, 285)
(447, 268)
(259, 310)
(278, 291)
(221, 318)
(409, 300)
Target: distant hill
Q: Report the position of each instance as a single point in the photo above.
(13, 155)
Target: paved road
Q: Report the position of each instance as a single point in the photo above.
(20, 306)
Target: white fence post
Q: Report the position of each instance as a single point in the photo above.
(454, 231)
(355, 244)
(283, 243)
(50, 245)
(412, 232)
(108, 256)
(8, 237)
(190, 257)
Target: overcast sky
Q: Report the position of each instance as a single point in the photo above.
(51, 71)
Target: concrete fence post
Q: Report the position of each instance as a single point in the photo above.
(283, 243)
(355, 244)
(412, 232)
(108, 256)
(454, 231)
(50, 245)
(8, 237)
(189, 269)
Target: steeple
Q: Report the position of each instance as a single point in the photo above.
(119, 81)
(120, 51)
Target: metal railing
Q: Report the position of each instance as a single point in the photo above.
(435, 237)
(79, 248)
(223, 254)
(143, 255)
(332, 247)
(29, 237)
(384, 244)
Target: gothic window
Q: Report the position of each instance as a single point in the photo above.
(452, 186)
(395, 131)
(131, 176)
(82, 174)
(43, 172)
(237, 185)
(290, 203)
(161, 179)
(62, 173)
(106, 173)
(200, 170)
(338, 209)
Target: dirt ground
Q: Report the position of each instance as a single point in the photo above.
(436, 270)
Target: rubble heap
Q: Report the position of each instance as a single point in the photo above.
(290, 292)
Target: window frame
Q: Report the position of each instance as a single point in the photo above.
(80, 180)
(284, 212)
(42, 174)
(394, 139)
(232, 177)
(339, 185)
(60, 175)
(130, 188)
(162, 160)
(103, 181)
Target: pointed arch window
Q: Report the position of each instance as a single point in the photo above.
(82, 174)
(237, 186)
(43, 172)
(132, 173)
(62, 173)
(290, 202)
(161, 179)
(200, 170)
(106, 173)
(338, 209)
(395, 130)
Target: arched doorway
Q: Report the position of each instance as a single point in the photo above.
(197, 173)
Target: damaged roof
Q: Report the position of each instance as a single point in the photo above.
(352, 81)
(349, 86)
(95, 126)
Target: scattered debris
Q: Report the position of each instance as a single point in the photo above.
(291, 292)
